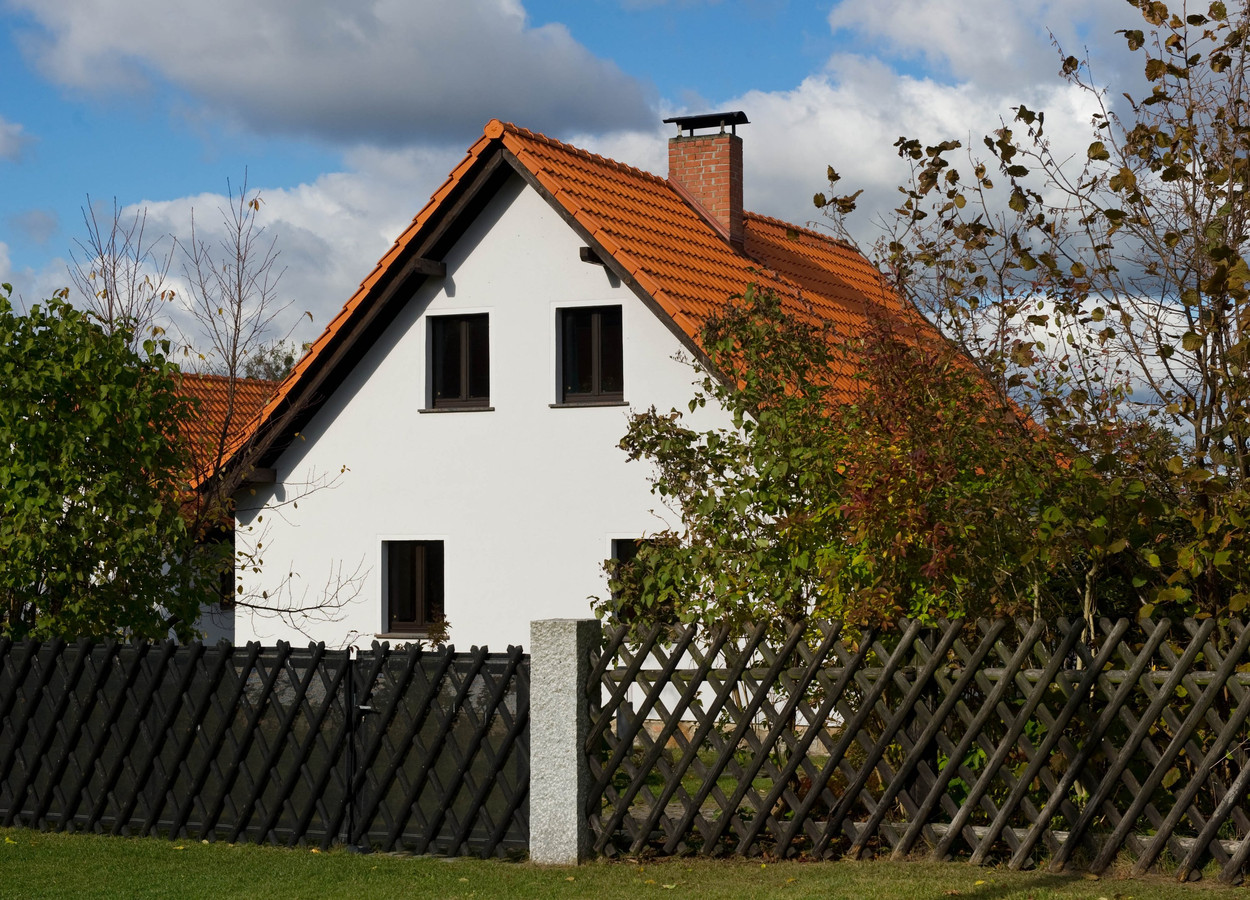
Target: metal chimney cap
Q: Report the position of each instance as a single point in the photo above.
(709, 120)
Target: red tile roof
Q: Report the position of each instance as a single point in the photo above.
(641, 221)
(225, 405)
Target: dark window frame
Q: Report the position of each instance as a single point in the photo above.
(464, 397)
(423, 592)
(596, 395)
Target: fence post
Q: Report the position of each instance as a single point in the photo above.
(559, 722)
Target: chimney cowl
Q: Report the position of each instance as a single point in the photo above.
(709, 120)
(706, 169)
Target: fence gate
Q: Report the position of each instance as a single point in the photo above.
(261, 744)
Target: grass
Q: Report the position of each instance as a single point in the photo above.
(36, 865)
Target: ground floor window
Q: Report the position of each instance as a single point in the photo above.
(414, 585)
(625, 549)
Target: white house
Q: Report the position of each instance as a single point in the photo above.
(449, 445)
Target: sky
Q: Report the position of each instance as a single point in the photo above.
(345, 115)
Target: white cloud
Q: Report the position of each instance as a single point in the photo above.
(13, 139)
(994, 43)
(329, 232)
(849, 116)
(31, 286)
(388, 71)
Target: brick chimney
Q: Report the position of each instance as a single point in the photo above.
(706, 169)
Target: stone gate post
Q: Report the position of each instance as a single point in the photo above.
(559, 723)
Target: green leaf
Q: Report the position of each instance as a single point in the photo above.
(1098, 151)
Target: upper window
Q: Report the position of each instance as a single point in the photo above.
(460, 361)
(590, 355)
(414, 585)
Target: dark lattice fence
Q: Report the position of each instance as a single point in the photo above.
(257, 744)
(1007, 741)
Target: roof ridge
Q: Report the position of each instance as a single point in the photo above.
(580, 152)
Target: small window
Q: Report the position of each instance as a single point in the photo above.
(626, 549)
(624, 552)
(414, 585)
(459, 361)
(590, 355)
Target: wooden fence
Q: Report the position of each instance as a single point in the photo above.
(1005, 741)
(394, 749)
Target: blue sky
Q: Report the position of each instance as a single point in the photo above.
(346, 116)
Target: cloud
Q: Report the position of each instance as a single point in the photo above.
(13, 140)
(1002, 43)
(38, 225)
(387, 71)
(849, 115)
(329, 232)
(30, 285)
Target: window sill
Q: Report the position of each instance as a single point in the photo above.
(456, 409)
(403, 636)
(582, 404)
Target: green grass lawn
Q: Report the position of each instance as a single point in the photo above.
(34, 865)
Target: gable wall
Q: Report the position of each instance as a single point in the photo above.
(527, 498)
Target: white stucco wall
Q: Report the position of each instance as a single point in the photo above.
(526, 497)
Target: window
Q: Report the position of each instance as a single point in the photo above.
(459, 361)
(414, 585)
(621, 565)
(626, 549)
(590, 355)
(220, 542)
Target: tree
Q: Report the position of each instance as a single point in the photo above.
(272, 361)
(224, 315)
(917, 490)
(123, 273)
(1111, 296)
(93, 481)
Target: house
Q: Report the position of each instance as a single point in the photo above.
(448, 447)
